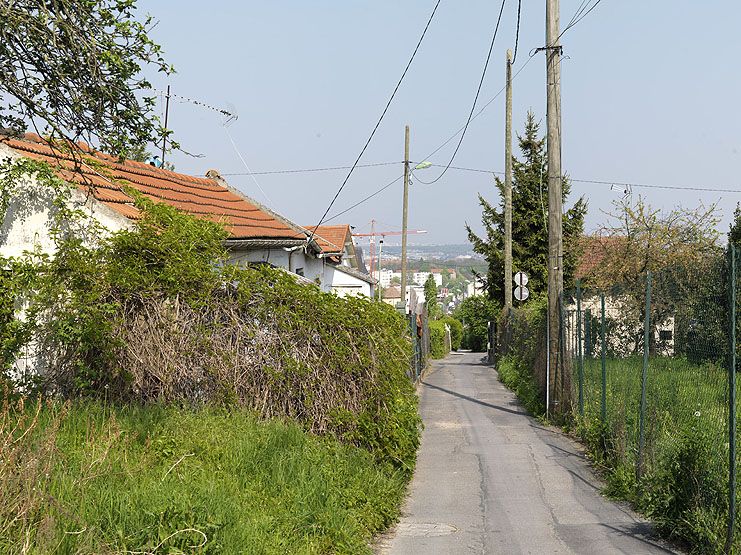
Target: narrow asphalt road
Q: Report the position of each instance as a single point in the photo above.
(491, 479)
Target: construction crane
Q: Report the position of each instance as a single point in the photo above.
(373, 234)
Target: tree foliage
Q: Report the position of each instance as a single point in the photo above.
(475, 313)
(734, 234)
(640, 238)
(529, 221)
(73, 68)
(434, 311)
(680, 247)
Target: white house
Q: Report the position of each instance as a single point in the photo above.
(257, 234)
(344, 270)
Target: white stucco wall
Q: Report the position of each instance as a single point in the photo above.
(277, 257)
(345, 284)
(26, 224)
(312, 268)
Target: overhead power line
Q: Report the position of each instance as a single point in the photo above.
(647, 186)
(517, 33)
(477, 114)
(475, 99)
(376, 193)
(612, 183)
(580, 14)
(380, 119)
(313, 170)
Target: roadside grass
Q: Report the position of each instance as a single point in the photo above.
(519, 378)
(684, 484)
(87, 478)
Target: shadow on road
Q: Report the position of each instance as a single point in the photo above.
(641, 531)
(473, 400)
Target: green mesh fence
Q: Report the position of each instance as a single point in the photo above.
(650, 391)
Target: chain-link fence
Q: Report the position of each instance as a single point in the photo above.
(653, 367)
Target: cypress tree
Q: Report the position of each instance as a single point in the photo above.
(529, 221)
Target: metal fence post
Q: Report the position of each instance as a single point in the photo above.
(603, 404)
(588, 333)
(731, 400)
(579, 348)
(642, 416)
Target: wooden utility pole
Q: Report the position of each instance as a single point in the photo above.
(508, 191)
(555, 200)
(404, 215)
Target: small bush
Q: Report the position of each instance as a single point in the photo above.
(438, 346)
(686, 494)
(519, 378)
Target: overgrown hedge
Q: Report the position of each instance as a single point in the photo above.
(156, 314)
(438, 345)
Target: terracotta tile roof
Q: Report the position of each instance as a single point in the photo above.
(593, 249)
(205, 197)
(331, 238)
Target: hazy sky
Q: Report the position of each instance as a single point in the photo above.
(650, 90)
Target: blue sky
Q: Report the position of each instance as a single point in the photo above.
(650, 95)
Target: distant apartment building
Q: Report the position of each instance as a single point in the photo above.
(387, 276)
(421, 277)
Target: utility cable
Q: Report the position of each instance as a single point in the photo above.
(517, 33)
(378, 192)
(312, 170)
(380, 119)
(477, 114)
(475, 100)
(239, 154)
(611, 183)
(576, 19)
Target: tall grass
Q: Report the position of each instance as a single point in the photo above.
(90, 479)
(684, 484)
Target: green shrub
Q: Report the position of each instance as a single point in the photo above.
(519, 378)
(438, 346)
(456, 332)
(686, 493)
(475, 313)
(153, 314)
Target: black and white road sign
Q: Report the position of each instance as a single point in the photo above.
(521, 280)
(521, 292)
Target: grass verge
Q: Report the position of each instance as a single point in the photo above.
(683, 485)
(84, 478)
(519, 379)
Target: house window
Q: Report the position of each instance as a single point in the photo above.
(665, 335)
(300, 271)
